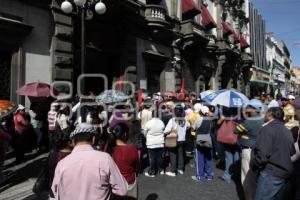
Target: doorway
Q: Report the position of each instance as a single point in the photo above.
(5, 75)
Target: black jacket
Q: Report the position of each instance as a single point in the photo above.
(274, 148)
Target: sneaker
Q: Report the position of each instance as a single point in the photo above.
(149, 175)
(196, 179)
(209, 178)
(162, 173)
(225, 180)
(180, 172)
(170, 174)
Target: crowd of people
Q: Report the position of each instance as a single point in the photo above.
(97, 151)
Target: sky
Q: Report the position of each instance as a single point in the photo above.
(283, 19)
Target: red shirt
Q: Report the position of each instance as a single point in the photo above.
(127, 160)
(19, 118)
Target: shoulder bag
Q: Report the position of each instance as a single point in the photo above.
(171, 138)
(225, 134)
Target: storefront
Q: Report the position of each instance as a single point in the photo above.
(260, 82)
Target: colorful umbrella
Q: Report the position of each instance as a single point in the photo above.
(111, 96)
(205, 93)
(6, 108)
(228, 98)
(36, 89)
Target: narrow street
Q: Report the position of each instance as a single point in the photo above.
(22, 178)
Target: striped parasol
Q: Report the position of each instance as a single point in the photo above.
(228, 98)
(6, 108)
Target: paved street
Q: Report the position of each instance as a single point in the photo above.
(22, 178)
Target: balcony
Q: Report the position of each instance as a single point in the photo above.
(193, 33)
(227, 48)
(156, 16)
(247, 59)
(211, 46)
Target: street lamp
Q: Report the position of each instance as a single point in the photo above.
(85, 9)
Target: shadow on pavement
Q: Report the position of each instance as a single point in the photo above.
(31, 170)
(36, 197)
(152, 196)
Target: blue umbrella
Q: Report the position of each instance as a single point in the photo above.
(228, 98)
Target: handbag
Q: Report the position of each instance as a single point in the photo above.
(204, 140)
(171, 138)
(42, 183)
(225, 133)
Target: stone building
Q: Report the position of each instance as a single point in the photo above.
(26, 29)
(295, 80)
(278, 58)
(156, 44)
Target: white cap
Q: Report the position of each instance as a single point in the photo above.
(273, 104)
(204, 110)
(291, 97)
(20, 107)
(197, 107)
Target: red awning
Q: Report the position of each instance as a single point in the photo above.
(227, 30)
(244, 43)
(207, 20)
(189, 9)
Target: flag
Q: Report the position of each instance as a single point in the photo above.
(120, 83)
(182, 91)
(140, 96)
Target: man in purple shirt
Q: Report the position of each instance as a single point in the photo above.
(87, 174)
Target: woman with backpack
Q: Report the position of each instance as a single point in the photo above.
(203, 146)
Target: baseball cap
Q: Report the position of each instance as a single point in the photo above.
(204, 110)
(20, 107)
(273, 104)
(197, 107)
(257, 104)
(291, 97)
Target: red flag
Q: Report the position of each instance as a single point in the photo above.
(140, 96)
(120, 83)
(182, 91)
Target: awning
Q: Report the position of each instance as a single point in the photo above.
(259, 83)
(227, 30)
(207, 20)
(244, 43)
(189, 9)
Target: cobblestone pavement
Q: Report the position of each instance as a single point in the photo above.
(22, 177)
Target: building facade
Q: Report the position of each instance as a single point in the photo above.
(260, 75)
(279, 60)
(25, 43)
(295, 81)
(155, 44)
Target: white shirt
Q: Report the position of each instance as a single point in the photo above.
(154, 133)
(181, 130)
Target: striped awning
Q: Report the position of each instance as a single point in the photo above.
(244, 43)
(207, 20)
(189, 9)
(227, 30)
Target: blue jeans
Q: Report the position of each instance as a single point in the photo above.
(231, 158)
(203, 163)
(270, 187)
